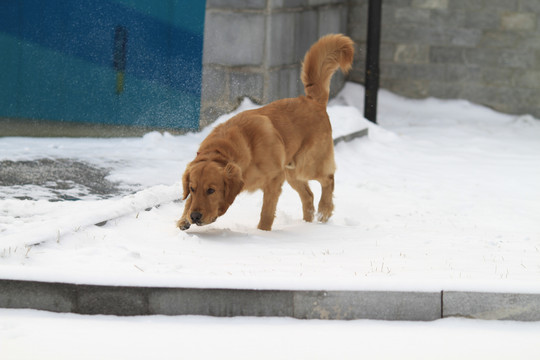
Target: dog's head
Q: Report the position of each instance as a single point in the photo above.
(212, 187)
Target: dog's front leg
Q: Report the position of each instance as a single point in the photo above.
(184, 223)
(326, 204)
(272, 190)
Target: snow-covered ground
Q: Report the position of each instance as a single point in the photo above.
(442, 195)
(29, 334)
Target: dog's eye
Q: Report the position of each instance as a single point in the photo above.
(192, 189)
(210, 191)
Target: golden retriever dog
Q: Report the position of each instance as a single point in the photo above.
(288, 139)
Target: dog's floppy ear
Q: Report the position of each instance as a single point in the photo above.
(185, 182)
(233, 183)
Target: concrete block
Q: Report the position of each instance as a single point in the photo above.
(305, 32)
(464, 37)
(406, 71)
(397, 3)
(332, 20)
(357, 21)
(481, 94)
(411, 54)
(361, 2)
(444, 89)
(325, 2)
(277, 4)
(494, 76)
(492, 306)
(503, 98)
(211, 111)
(344, 18)
(486, 19)
(246, 84)
(284, 83)
(405, 32)
(483, 57)
(449, 19)
(511, 5)
(357, 75)
(528, 79)
(504, 39)
(447, 72)
(111, 300)
(466, 4)
(430, 4)
(336, 84)
(223, 303)
(234, 39)
(522, 59)
(522, 98)
(35, 295)
(214, 83)
(528, 110)
(351, 136)
(530, 6)
(414, 15)
(413, 88)
(236, 4)
(280, 42)
(446, 55)
(529, 40)
(335, 305)
(518, 21)
(344, 305)
(386, 52)
(456, 73)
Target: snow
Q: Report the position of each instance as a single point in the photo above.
(441, 195)
(30, 334)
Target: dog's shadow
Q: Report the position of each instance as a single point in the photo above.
(223, 235)
(240, 236)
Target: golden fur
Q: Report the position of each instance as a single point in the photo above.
(289, 139)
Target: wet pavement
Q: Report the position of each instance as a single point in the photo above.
(61, 179)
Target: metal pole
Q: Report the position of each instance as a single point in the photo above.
(372, 59)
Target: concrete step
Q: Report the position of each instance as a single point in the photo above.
(331, 305)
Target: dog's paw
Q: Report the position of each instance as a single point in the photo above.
(323, 217)
(308, 215)
(325, 211)
(264, 226)
(183, 224)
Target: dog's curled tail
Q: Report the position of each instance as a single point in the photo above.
(322, 60)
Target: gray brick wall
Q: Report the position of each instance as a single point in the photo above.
(254, 48)
(485, 51)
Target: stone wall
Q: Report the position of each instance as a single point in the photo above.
(254, 48)
(485, 51)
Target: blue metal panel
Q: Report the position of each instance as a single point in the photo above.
(135, 62)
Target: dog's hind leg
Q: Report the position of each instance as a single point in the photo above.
(326, 204)
(272, 190)
(302, 187)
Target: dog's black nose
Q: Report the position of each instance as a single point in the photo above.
(196, 217)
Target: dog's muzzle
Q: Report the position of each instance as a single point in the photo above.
(196, 218)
